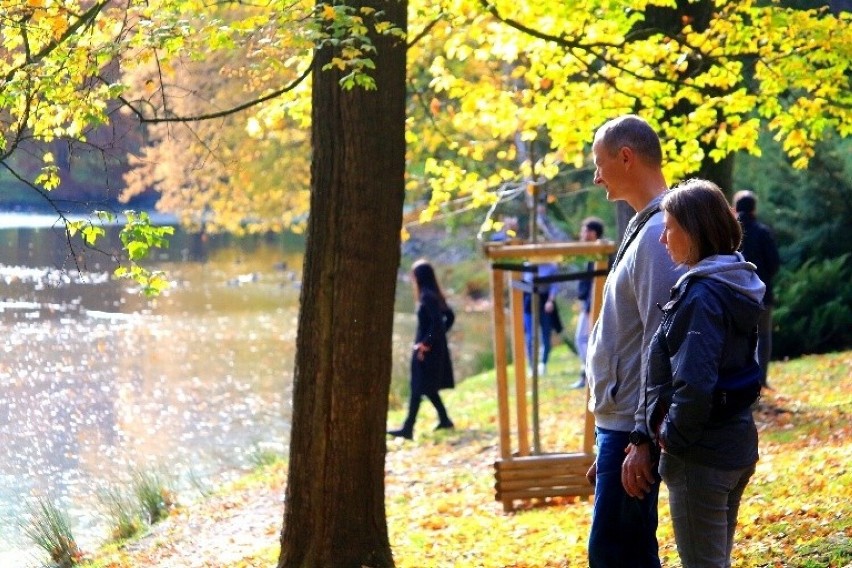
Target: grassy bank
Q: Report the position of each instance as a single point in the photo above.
(797, 512)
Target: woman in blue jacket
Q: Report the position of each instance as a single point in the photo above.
(431, 367)
(702, 374)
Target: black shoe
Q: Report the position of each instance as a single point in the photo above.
(401, 434)
(445, 426)
(579, 384)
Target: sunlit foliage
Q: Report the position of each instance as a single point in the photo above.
(521, 86)
(501, 93)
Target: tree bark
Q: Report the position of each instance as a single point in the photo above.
(721, 173)
(334, 511)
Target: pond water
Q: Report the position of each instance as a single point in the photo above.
(97, 382)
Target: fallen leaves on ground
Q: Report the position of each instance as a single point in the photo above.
(441, 509)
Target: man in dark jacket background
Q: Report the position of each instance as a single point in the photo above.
(758, 247)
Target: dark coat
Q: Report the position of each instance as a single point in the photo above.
(759, 248)
(435, 371)
(584, 289)
(707, 334)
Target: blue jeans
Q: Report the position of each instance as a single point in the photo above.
(704, 502)
(545, 323)
(624, 529)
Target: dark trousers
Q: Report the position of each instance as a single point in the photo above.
(624, 529)
(764, 342)
(546, 323)
(414, 408)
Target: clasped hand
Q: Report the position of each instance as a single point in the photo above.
(421, 349)
(637, 474)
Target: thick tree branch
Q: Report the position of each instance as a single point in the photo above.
(222, 113)
(598, 50)
(562, 40)
(425, 31)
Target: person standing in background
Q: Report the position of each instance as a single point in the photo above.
(591, 229)
(628, 160)
(758, 247)
(549, 321)
(431, 366)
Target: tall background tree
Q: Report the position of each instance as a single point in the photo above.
(334, 514)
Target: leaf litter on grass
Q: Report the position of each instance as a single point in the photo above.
(441, 510)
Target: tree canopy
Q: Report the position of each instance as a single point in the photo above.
(526, 84)
(501, 93)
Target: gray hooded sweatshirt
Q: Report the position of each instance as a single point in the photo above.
(640, 279)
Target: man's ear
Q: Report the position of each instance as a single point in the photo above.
(626, 156)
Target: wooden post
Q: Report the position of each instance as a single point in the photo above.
(596, 300)
(500, 363)
(519, 353)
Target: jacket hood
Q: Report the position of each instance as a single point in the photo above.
(737, 274)
(733, 270)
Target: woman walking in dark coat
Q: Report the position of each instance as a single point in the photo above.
(431, 367)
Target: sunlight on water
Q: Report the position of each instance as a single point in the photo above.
(97, 382)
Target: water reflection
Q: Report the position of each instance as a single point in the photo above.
(96, 381)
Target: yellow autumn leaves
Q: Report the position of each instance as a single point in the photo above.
(441, 512)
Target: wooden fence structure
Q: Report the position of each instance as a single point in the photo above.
(522, 471)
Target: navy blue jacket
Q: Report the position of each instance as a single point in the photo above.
(584, 290)
(759, 248)
(707, 335)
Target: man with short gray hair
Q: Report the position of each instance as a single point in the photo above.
(628, 164)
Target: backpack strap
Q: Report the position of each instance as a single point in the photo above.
(631, 233)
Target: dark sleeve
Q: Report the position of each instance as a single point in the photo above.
(770, 253)
(696, 340)
(430, 319)
(584, 285)
(449, 318)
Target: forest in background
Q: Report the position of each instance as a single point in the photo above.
(807, 208)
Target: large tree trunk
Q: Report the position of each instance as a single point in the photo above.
(334, 511)
(721, 173)
(672, 19)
